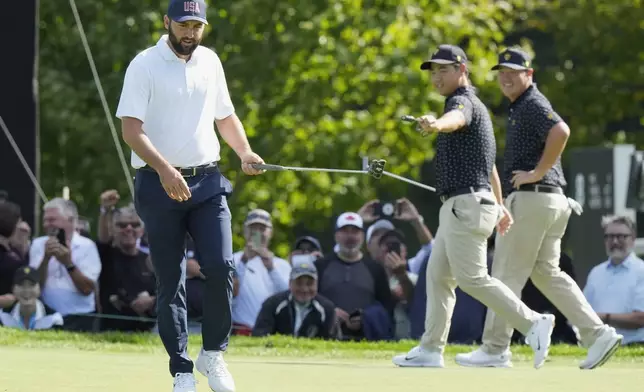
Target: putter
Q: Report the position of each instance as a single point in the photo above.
(374, 168)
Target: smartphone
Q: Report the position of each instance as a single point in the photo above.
(61, 237)
(394, 247)
(256, 239)
(302, 259)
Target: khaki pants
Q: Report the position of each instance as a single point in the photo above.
(531, 249)
(459, 257)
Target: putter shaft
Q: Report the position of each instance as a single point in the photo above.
(260, 166)
(407, 180)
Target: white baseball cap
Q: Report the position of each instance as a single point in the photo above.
(349, 219)
(382, 224)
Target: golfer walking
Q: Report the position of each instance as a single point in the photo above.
(470, 189)
(172, 94)
(532, 186)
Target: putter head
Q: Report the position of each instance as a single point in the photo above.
(376, 167)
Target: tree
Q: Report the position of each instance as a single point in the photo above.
(316, 83)
(588, 59)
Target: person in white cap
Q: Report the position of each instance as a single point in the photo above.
(352, 281)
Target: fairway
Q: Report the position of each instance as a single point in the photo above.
(73, 370)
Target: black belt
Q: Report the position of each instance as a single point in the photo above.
(541, 188)
(463, 191)
(191, 171)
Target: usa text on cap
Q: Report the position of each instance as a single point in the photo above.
(185, 10)
(446, 54)
(349, 219)
(514, 58)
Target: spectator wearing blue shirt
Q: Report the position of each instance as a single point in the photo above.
(615, 288)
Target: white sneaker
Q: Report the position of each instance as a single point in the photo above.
(212, 365)
(603, 348)
(184, 382)
(539, 338)
(419, 357)
(479, 358)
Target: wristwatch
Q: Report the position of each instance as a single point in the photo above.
(70, 267)
(105, 210)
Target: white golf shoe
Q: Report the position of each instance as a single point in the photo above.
(539, 338)
(419, 357)
(212, 365)
(479, 358)
(184, 382)
(603, 348)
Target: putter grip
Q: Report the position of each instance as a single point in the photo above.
(264, 166)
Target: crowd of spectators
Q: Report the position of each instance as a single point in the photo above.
(370, 286)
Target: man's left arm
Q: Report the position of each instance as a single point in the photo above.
(230, 127)
(280, 275)
(556, 140)
(232, 131)
(407, 211)
(633, 320)
(556, 137)
(85, 280)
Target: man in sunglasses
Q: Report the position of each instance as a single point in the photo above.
(128, 286)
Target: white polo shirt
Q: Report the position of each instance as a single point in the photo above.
(59, 292)
(178, 102)
(256, 284)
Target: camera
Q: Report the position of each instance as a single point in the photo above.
(386, 209)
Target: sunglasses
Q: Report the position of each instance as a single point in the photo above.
(620, 237)
(123, 225)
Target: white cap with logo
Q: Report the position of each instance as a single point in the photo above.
(349, 219)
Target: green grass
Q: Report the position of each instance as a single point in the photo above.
(274, 346)
(65, 362)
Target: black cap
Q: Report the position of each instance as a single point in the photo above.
(26, 273)
(514, 58)
(185, 10)
(446, 54)
(392, 233)
(310, 239)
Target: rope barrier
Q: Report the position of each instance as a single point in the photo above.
(101, 93)
(22, 159)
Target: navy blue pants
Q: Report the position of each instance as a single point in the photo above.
(207, 218)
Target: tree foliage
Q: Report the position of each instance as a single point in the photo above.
(589, 55)
(317, 83)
